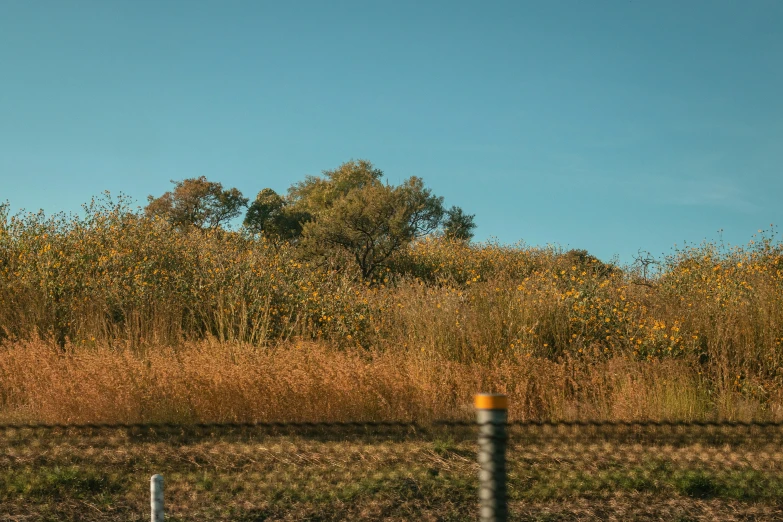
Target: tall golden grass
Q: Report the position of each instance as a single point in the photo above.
(114, 316)
(227, 382)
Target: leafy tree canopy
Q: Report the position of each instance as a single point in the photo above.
(317, 194)
(349, 211)
(373, 222)
(458, 225)
(270, 215)
(197, 202)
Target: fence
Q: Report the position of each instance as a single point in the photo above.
(396, 471)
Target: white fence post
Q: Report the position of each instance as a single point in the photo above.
(492, 415)
(156, 498)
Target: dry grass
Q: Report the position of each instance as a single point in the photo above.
(214, 381)
(140, 321)
(116, 318)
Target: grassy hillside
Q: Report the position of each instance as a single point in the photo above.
(102, 312)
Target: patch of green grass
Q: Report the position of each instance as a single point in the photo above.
(696, 484)
(58, 482)
(658, 477)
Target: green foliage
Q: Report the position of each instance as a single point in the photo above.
(269, 215)
(349, 216)
(56, 482)
(458, 225)
(197, 202)
(696, 483)
(373, 223)
(316, 194)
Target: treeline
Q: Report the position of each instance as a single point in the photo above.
(347, 260)
(348, 215)
(346, 277)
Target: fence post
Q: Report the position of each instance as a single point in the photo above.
(156, 498)
(492, 415)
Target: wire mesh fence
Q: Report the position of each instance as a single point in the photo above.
(392, 471)
(647, 471)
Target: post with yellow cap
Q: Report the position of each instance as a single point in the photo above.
(492, 416)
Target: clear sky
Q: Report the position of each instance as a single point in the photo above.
(609, 126)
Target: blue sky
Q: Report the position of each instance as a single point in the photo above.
(609, 126)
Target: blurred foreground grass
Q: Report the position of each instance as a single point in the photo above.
(383, 475)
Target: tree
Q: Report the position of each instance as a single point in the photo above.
(269, 215)
(350, 211)
(197, 202)
(317, 194)
(458, 225)
(373, 223)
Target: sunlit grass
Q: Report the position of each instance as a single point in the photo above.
(114, 295)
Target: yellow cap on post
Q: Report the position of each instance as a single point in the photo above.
(491, 401)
